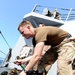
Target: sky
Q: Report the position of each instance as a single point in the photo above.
(12, 13)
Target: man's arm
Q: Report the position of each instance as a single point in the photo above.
(36, 56)
(22, 61)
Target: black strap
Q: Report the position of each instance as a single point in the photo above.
(68, 36)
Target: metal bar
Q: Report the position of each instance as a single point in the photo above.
(68, 14)
(34, 8)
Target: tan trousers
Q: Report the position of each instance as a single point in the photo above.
(65, 54)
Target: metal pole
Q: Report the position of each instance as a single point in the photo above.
(69, 14)
(34, 8)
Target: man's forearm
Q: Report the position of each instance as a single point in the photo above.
(32, 62)
(27, 59)
(36, 56)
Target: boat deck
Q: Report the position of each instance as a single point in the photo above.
(37, 19)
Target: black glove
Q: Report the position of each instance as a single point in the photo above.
(73, 65)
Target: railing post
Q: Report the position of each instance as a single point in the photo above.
(34, 8)
(68, 14)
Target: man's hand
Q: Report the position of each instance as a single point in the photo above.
(22, 61)
(18, 62)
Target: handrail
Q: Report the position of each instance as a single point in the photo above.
(65, 13)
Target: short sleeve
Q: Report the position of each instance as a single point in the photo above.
(40, 37)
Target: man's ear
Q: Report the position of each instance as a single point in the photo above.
(28, 27)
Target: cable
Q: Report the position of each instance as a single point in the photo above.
(4, 39)
(1, 58)
(2, 52)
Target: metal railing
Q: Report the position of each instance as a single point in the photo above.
(65, 13)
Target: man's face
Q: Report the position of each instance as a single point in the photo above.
(25, 32)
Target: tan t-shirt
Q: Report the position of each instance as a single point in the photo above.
(50, 35)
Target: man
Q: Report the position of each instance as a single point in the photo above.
(56, 14)
(61, 42)
(43, 64)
